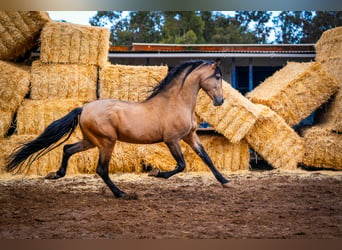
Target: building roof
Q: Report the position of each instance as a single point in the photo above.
(213, 50)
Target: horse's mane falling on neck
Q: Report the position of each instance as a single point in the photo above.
(176, 71)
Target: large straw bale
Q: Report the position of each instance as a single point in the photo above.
(275, 141)
(14, 85)
(323, 148)
(225, 155)
(35, 115)
(329, 45)
(332, 119)
(130, 83)
(234, 119)
(329, 53)
(74, 44)
(5, 122)
(295, 91)
(56, 81)
(19, 32)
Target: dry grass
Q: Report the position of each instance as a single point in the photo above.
(323, 148)
(58, 81)
(295, 91)
(19, 32)
(129, 83)
(275, 141)
(74, 44)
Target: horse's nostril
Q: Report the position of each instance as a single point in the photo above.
(218, 101)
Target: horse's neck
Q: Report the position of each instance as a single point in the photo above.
(184, 93)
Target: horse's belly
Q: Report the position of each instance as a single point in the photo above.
(139, 134)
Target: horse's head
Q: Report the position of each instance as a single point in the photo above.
(211, 82)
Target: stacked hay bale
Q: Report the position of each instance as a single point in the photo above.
(225, 155)
(264, 130)
(329, 54)
(322, 148)
(323, 142)
(14, 82)
(129, 83)
(19, 32)
(65, 77)
(295, 91)
(275, 141)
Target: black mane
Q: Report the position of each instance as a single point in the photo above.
(175, 72)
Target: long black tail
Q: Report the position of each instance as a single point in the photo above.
(44, 143)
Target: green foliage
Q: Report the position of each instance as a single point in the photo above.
(214, 27)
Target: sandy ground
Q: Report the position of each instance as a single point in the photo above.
(259, 204)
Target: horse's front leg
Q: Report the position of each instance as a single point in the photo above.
(176, 152)
(194, 142)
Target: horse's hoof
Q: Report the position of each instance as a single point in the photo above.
(226, 185)
(154, 172)
(51, 176)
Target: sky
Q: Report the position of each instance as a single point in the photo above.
(77, 17)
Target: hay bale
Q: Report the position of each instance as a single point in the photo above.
(5, 122)
(329, 54)
(130, 83)
(234, 118)
(74, 44)
(19, 32)
(295, 91)
(57, 81)
(332, 119)
(322, 148)
(226, 156)
(35, 115)
(14, 85)
(329, 45)
(275, 141)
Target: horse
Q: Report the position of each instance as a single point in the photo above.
(166, 115)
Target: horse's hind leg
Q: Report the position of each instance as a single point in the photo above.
(102, 170)
(68, 151)
(176, 152)
(194, 142)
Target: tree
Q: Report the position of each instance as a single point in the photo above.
(255, 22)
(182, 26)
(224, 29)
(304, 26)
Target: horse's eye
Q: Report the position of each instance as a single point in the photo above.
(217, 76)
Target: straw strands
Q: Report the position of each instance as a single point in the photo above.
(129, 83)
(323, 149)
(275, 141)
(35, 115)
(14, 85)
(329, 53)
(19, 32)
(225, 155)
(57, 81)
(295, 91)
(329, 45)
(74, 44)
(234, 118)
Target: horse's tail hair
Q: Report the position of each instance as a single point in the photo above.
(45, 142)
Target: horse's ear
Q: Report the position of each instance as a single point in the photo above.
(218, 62)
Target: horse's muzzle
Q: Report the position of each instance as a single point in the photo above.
(218, 101)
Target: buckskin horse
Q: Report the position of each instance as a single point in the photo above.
(167, 115)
